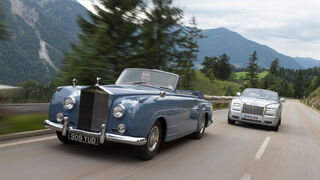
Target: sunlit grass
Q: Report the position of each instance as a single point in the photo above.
(242, 74)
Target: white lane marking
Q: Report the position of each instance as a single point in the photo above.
(262, 148)
(246, 177)
(26, 141)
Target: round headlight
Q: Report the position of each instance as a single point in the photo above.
(59, 117)
(118, 111)
(69, 102)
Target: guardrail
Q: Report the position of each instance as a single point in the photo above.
(34, 108)
(219, 99)
(24, 108)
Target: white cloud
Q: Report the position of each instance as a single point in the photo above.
(291, 27)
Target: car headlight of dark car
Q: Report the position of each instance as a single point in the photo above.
(118, 111)
(69, 103)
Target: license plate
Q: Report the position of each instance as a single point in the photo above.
(82, 139)
(251, 117)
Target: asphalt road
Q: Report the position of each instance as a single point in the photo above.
(226, 152)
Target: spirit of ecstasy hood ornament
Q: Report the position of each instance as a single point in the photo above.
(98, 79)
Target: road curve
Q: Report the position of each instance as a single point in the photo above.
(232, 152)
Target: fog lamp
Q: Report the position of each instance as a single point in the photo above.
(59, 117)
(121, 128)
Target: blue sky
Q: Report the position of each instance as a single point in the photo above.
(291, 27)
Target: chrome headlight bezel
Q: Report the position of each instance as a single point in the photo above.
(118, 111)
(236, 106)
(270, 111)
(69, 103)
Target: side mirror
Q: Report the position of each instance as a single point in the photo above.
(282, 100)
(238, 93)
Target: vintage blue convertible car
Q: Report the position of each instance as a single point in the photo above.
(143, 109)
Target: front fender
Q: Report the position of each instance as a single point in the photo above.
(141, 113)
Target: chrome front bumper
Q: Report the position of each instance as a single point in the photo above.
(266, 120)
(102, 135)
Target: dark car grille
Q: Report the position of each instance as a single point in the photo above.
(93, 109)
(252, 109)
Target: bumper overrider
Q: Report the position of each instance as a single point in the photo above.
(64, 128)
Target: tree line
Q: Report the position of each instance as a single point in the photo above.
(132, 33)
(287, 82)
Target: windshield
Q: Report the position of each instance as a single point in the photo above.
(148, 77)
(260, 93)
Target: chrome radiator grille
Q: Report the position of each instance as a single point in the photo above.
(252, 109)
(93, 109)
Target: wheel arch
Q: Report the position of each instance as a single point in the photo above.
(163, 123)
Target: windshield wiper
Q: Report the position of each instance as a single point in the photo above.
(162, 87)
(139, 82)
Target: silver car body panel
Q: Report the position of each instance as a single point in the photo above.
(258, 107)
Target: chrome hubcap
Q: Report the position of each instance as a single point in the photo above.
(153, 138)
(202, 126)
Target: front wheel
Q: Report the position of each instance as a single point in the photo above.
(230, 121)
(200, 133)
(149, 150)
(276, 128)
(63, 139)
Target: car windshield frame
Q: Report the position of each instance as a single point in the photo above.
(259, 92)
(141, 83)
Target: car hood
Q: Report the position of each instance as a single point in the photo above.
(131, 90)
(256, 101)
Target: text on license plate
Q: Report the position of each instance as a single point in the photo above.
(82, 138)
(249, 116)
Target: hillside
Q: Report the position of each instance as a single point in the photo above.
(307, 62)
(313, 99)
(215, 87)
(40, 31)
(238, 48)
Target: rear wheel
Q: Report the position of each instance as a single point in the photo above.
(200, 133)
(230, 121)
(150, 149)
(63, 139)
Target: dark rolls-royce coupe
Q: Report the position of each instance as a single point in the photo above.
(143, 108)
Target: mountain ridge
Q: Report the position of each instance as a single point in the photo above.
(40, 32)
(239, 48)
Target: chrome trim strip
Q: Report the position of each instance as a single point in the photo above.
(106, 90)
(126, 139)
(54, 126)
(85, 133)
(107, 136)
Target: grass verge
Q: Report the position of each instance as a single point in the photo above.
(214, 87)
(21, 123)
